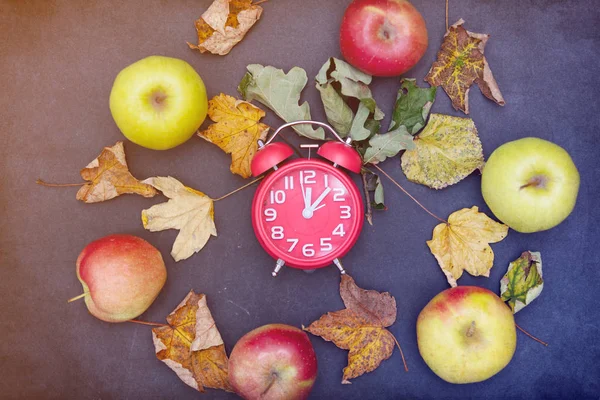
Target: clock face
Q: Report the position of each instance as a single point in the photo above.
(307, 213)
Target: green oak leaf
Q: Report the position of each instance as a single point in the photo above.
(412, 106)
(337, 83)
(446, 151)
(382, 146)
(281, 93)
(523, 281)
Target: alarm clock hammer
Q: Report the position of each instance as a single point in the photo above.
(307, 213)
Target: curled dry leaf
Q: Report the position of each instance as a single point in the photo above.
(236, 131)
(460, 63)
(360, 327)
(462, 244)
(224, 24)
(281, 93)
(191, 345)
(109, 177)
(523, 282)
(190, 211)
(446, 152)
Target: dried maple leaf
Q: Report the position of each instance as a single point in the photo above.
(191, 345)
(236, 131)
(224, 24)
(446, 151)
(462, 243)
(188, 210)
(360, 328)
(460, 63)
(109, 177)
(523, 282)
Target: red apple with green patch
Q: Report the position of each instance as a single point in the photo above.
(121, 276)
(274, 361)
(466, 334)
(383, 37)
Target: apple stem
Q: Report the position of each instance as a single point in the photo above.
(81, 296)
(471, 330)
(270, 385)
(537, 181)
(530, 335)
(240, 188)
(409, 195)
(369, 212)
(401, 354)
(137, 321)
(43, 183)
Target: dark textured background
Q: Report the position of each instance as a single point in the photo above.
(58, 60)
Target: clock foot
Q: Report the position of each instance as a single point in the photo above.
(278, 265)
(339, 266)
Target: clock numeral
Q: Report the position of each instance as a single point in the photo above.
(339, 230)
(326, 244)
(289, 183)
(294, 242)
(277, 232)
(271, 214)
(307, 250)
(277, 197)
(345, 210)
(308, 177)
(326, 180)
(338, 194)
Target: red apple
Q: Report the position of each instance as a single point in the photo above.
(383, 37)
(466, 334)
(274, 361)
(121, 276)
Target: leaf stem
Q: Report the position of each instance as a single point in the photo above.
(369, 212)
(259, 2)
(240, 188)
(43, 183)
(530, 335)
(137, 321)
(401, 353)
(446, 15)
(409, 195)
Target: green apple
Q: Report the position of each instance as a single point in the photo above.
(530, 184)
(466, 334)
(158, 102)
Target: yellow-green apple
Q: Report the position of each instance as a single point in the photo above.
(530, 184)
(274, 361)
(383, 37)
(121, 276)
(158, 102)
(466, 334)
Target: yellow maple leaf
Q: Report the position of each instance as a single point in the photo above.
(462, 244)
(446, 151)
(224, 24)
(191, 345)
(236, 131)
(109, 177)
(460, 63)
(190, 211)
(360, 328)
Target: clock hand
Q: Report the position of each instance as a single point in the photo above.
(319, 199)
(306, 194)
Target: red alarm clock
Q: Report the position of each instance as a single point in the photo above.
(307, 213)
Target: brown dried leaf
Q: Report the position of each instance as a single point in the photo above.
(460, 63)
(191, 345)
(360, 327)
(224, 24)
(236, 130)
(109, 177)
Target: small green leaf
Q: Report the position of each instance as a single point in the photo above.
(412, 106)
(281, 93)
(378, 197)
(358, 130)
(339, 114)
(523, 281)
(388, 145)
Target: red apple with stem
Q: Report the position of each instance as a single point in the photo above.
(121, 276)
(383, 37)
(274, 361)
